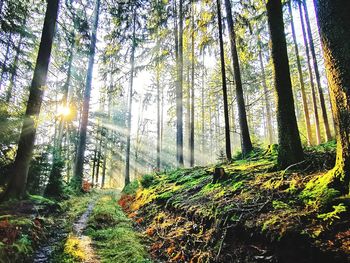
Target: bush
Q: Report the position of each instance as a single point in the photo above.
(147, 180)
(131, 188)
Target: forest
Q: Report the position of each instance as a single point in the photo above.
(174, 131)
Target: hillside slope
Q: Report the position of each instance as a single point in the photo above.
(252, 213)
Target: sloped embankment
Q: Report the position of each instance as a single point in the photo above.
(252, 214)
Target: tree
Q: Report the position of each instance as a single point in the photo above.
(79, 161)
(290, 149)
(224, 85)
(313, 93)
(17, 183)
(131, 82)
(301, 80)
(246, 143)
(179, 86)
(335, 37)
(317, 74)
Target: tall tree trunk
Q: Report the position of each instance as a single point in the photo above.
(301, 80)
(79, 163)
(179, 92)
(266, 98)
(99, 154)
(203, 108)
(192, 91)
(246, 143)
(14, 72)
(94, 164)
(314, 99)
(290, 149)
(317, 75)
(188, 112)
(18, 181)
(54, 187)
(131, 84)
(4, 64)
(333, 19)
(224, 87)
(158, 105)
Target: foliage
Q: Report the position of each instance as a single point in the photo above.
(148, 180)
(131, 188)
(330, 217)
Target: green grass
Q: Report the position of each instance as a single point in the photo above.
(113, 235)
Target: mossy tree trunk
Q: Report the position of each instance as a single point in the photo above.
(334, 23)
(290, 149)
(19, 175)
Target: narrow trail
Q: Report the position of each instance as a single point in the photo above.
(44, 252)
(85, 241)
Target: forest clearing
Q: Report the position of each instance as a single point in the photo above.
(174, 131)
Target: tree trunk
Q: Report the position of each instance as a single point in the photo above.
(202, 102)
(301, 80)
(14, 72)
(192, 92)
(179, 92)
(4, 64)
(290, 149)
(246, 143)
(158, 104)
(317, 75)
(188, 113)
(266, 98)
(18, 181)
(131, 84)
(335, 37)
(314, 100)
(224, 88)
(54, 187)
(79, 163)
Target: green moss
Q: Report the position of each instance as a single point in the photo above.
(318, 192)
(113, 235)
(131, 188)
(330, 217)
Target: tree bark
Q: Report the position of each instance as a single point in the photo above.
(179, 92)
(18, 181)
(246, 143)
(290, 149)
(301, 80)
(79, 163)
(317, 75)
(224, 88)
(266, 98)
(131, 84)
(192, 91)
(314, 99)
(334, 23)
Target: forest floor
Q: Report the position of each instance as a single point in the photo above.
(91, 228)
(252, 213)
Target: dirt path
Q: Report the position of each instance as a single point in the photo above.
(44, 252)
(85, 241)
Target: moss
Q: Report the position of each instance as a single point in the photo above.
(318, 192)
(131, 188)
(116, 241)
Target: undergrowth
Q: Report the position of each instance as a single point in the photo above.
(113, 235)
(184, 210)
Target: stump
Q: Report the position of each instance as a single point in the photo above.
(219, 175)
